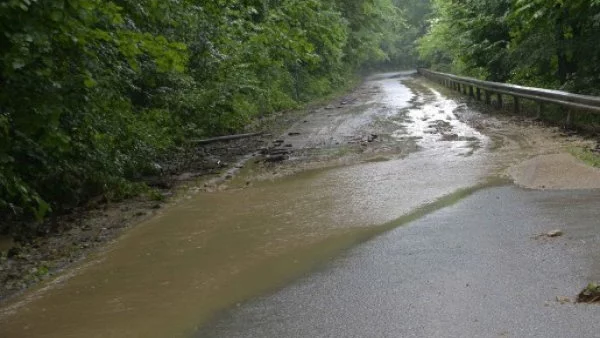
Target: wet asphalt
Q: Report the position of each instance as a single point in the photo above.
(475, 269)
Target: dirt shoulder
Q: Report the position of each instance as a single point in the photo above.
(555, 172)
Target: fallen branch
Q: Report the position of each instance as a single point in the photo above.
(225, 138)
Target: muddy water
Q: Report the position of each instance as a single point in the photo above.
(170, 275)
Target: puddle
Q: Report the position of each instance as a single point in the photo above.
(432, 119)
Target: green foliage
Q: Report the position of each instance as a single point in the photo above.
(94, 92)
(532, 42)
(469, 37)
(586, 155)
(401, 47)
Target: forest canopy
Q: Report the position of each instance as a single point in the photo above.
(541, 43)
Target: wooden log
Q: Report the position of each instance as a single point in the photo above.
(225, 138)
(279, 151)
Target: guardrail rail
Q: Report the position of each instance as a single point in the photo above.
(478, 88)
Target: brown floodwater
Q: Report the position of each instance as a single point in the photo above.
(171, 274)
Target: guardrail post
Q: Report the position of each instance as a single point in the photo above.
(517, 107)
(488, 97)
(471, 91)
(569, 121)
(540, 110)
(478, 94)
(500, 103)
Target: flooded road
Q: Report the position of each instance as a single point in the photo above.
(170, 276)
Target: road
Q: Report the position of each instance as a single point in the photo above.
(474, 269)
(394, 216)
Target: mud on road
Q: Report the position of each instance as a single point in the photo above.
(393, 115)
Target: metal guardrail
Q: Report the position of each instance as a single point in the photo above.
(474, 88)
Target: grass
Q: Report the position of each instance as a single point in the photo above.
(586, 155)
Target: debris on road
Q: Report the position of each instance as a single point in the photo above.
(550, 234)
(277, 158)
(591, 294)
(554, 233)
(563, 299)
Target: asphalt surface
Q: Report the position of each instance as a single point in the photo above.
(475, 269)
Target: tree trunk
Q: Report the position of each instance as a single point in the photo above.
(561, 47)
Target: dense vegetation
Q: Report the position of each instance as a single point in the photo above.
(92, 92)
(543, 43)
